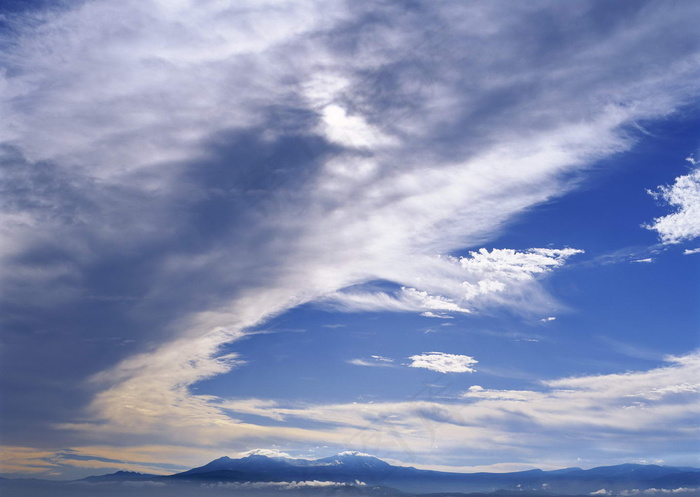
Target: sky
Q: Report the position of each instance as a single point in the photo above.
(456, 235)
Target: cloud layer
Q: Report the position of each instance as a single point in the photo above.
(557, 420)
(177, 173)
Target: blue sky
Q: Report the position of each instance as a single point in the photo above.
(456, 235)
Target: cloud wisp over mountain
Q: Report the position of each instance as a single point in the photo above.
(178, 174)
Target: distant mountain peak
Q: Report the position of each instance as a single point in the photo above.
(350, 466)
(354, 459)
(120, 475)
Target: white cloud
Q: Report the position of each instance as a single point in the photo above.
(354, 453)
(282, 485)
(481, 279)
(430, 314)
(265, 452)
(653, 461)
(691, 251)
(351, 130)
(649, 411)
(638, 411)
(443, 363)
(375, 361)
(659, 491)
(647, 260)
(511, 264)
(684, 197)
(478, 392)
(548, 319)
(382, 358)
(407, 299)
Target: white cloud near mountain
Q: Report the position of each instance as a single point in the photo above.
(683, 196)
(649, 491)
(264, 452)
(283, 485)
(610, 408)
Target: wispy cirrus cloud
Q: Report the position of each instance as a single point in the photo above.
(592, 409)
(375, 361)
(508, 426)
(459, 285)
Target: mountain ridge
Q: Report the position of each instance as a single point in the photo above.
(355, 473)
(357, 468)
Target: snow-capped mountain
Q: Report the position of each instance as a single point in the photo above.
(353, 467)
(353, 473)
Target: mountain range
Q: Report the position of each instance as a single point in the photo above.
(353, 473)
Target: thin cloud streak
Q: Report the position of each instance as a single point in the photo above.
(511, 425)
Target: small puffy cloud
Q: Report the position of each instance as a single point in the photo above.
(684, 197)
(548, 319)
(354, 453)
(691, 251)
(443, 363)
(648, 259)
